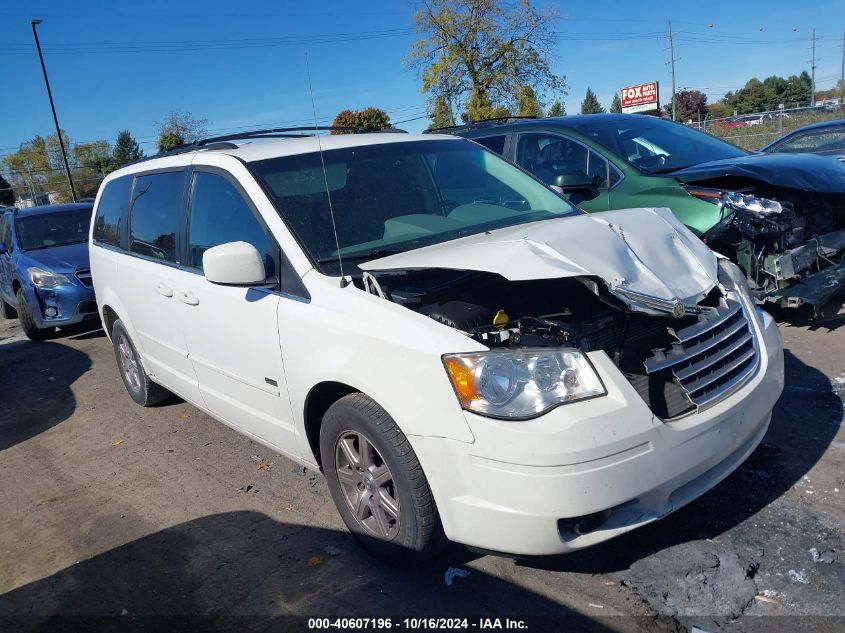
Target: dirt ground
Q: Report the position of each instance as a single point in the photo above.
(109, 509)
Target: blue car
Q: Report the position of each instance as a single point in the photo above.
(45, 279)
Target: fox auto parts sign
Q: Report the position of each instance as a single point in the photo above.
(641, 98)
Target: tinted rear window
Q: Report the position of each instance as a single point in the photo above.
(112, 213)
(156, 214)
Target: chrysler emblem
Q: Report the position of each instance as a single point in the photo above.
(678, 309)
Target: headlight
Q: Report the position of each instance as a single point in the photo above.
(45, 279)
(521, 384)
(731, 277)
(763, 206)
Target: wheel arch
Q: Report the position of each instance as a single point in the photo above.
(321, 396)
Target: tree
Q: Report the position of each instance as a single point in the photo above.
(688, 104)
(478, 53)
(37, 167)
(7, 194)
(441, 115)
(527, 104)
(557, 109)
(616, 104)
(590, 104)
(96, 156)
(179, 128)
(126, 150)
(369, 119)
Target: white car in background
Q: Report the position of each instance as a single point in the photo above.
(460, 351)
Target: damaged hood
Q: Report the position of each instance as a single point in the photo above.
(635, 251)
(807, 172)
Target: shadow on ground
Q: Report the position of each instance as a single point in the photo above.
(233, 571)
(35, 394)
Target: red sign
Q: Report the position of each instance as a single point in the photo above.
(640, 98)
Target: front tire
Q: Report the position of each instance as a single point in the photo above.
(139, 385)
(377, 482)
(32, 331)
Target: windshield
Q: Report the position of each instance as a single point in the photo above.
(657, 146)
(394, 197)
(53, 229)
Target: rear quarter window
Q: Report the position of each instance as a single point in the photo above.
(110, 220)
(156, 215)
(496, 143)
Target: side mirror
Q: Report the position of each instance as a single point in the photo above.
(3, 248)
(578, 182)
(233, 264)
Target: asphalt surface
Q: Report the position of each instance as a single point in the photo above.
(140, 515)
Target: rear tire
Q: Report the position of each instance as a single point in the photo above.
(32, 331)
(377, 483)
(7, 311)
(138, 384)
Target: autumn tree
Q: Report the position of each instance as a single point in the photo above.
(557, 109)
(616, 104)
(369, 120)
(37, 168)
(688, 105)
(179, 128)
(590, 104)
(126, 150)
(480, 53)
(96, 156)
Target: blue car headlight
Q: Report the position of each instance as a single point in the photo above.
(45, 279)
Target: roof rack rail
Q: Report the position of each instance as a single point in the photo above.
(225, 141)
(478, 123)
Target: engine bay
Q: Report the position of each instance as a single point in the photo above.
(575, 312)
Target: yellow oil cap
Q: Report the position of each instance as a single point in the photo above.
(501, 319)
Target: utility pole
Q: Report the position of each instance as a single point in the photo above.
(813, 75)
(842, 75)
(33, 23)
(672, 64)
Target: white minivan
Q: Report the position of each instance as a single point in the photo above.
(461, 352)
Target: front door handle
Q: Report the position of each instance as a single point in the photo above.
(190, 298)
(164, 291)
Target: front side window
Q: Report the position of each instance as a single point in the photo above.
(219, 214)
(53, 229)
(156, 214)
(820, 141)
(550, 156)
(112, 212)
(393, 197)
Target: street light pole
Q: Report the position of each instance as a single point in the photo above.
(33, 23)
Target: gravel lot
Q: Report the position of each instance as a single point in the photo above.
(108, 509)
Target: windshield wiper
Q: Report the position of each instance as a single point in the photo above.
(43, 246)
(666, 170)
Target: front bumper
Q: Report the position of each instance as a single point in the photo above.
(73, 304)
(522, 487)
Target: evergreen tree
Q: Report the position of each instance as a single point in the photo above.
(557, 109)
(616, 104)
(590, 104)
(126, 150)
(442, 114)
(526, 102)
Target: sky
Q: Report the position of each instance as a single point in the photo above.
(125, 65)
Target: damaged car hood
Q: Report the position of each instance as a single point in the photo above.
(806, 172)
(639, 253)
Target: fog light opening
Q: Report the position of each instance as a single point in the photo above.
(51, 312)
(579, 526)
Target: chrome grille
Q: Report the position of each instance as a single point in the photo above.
(711, 358)
(84, 276)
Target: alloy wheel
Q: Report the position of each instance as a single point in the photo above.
(367, 485)
(128, 363)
